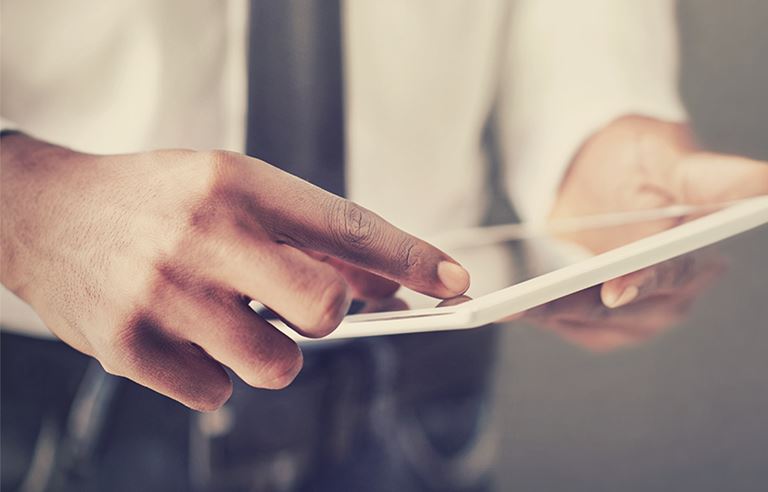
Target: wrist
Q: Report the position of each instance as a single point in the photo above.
(28, 166)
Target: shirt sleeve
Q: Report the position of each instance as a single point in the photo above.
(7, 125)
(570, 69)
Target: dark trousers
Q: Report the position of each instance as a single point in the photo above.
(405, 413)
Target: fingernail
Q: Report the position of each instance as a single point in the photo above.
(453, 276)
(625, 297)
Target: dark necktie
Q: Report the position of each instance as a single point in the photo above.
(295, 102)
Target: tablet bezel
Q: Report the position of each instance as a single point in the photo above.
(489, 308)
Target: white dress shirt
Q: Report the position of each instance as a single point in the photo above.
(421, 80)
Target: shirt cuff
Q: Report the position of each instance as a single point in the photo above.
(18, 317)
(7, 125)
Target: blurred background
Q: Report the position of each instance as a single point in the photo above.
(690, 410)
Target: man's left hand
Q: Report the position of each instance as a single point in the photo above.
(632, 164)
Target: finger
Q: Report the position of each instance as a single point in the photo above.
(648, 318)
(172, 367)
(311, 218)
(711, 178)
(365, 285)
(582, 305)
(631, 325)
(582, 319)
(230, 332)
(597, 339)
(598, 335)
(643, 318)
(585, 309)
(309, 294)
(692, 272)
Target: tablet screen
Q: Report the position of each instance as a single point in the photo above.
(505, 255)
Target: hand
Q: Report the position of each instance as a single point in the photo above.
(661, 298)
(639, 163)
(148, 261)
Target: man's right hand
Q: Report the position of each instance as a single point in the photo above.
(148, 261)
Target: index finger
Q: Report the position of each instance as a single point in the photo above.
(309, 217)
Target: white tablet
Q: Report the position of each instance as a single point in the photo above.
(710, 225)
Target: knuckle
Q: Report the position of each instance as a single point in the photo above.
(210, 171)
(280, 372)
(210, 178)
(330, 308)
(109, 367)
(222, 203)
(351, 224)
(204, 216)
(219, 160)
(127, 343)
(410, 256)
(325, 306)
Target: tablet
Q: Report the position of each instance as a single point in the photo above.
(652, 236)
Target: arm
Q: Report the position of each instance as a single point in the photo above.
(147, 261)
(572, 68)
(599, 129)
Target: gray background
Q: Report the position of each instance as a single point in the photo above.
(690, 410)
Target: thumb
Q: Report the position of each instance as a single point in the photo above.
(703, 178)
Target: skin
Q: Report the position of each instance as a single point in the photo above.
(638, 163)
(147, 261)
